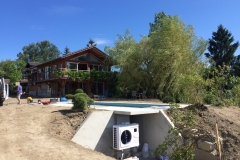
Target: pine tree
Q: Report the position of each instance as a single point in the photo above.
(66, 50)
(91, 43)
(221, 47)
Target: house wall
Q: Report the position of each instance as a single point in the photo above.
(44, 90)
(32, 90)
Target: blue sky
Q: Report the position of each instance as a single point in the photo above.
(73, 22)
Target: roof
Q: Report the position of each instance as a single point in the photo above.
(32, 64)
(95, 49)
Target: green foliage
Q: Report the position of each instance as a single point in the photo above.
(73, 75)
(80, 100)
(91, 43)
(40, 52)
(9, 70)
(191, 87)
(221, 47)
(79, 91)
(168, 99)
(180, 150)
(66, 50)
(82, 75)
(157, 62)
(210, 98)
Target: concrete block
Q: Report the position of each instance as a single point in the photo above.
(206, 145)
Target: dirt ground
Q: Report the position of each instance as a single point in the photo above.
(228, 121)
(44, 132)
(40, 132)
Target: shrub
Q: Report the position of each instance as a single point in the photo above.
(79, 91)
(210, 98)
(80, 100)
(168, 98)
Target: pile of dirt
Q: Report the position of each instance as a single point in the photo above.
(33, 131)
(65, 123)
(228, 126)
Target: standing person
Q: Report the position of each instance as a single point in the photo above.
(19, 93)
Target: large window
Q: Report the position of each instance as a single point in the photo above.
(82, 58)
(72, 66)
(94, 59)
(98, 67)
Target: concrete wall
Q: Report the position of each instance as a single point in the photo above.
(153, 128)
(96, 132)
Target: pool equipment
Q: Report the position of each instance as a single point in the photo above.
(125, 136)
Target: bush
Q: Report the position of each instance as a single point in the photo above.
(210, 98)
(79, 91)
(167, 99)
(81, 100)
(69, 96)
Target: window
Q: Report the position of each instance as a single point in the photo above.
(82, 58)
(94, 59)
(98, 67)
(72, 66)
(55, 67)
(46, 73)
(50, 69)
(82, 67)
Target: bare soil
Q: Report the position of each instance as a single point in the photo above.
(228, 121)
(40, 132)
(45, 132)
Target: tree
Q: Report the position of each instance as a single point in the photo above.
(159, 61)
(9, 70)
(176, 51)
(221, 47)
(156, 25)
(91, 43)
(39, 52)
(66, 50)
(236, 66)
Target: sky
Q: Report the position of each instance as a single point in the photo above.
(73, 23)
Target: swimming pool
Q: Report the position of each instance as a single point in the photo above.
(132, 105)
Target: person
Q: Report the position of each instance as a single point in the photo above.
(29, 100)
(19, 93)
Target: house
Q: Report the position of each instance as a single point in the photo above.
(43, 80)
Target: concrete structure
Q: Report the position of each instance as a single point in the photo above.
(96, 131)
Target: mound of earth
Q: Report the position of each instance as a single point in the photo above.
(41, 132)
(227, 119)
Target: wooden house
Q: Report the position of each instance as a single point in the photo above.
(42, 79)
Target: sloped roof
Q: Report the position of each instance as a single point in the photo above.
(32, 64)
(95, 49)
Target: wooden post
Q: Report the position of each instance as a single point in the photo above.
(218, 143)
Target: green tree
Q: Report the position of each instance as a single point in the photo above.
(157, 62)
(39, 52)
(66, 50)
(9, 70)
(176, 51)
(155, 26)
(221, 47)
(91, 43)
